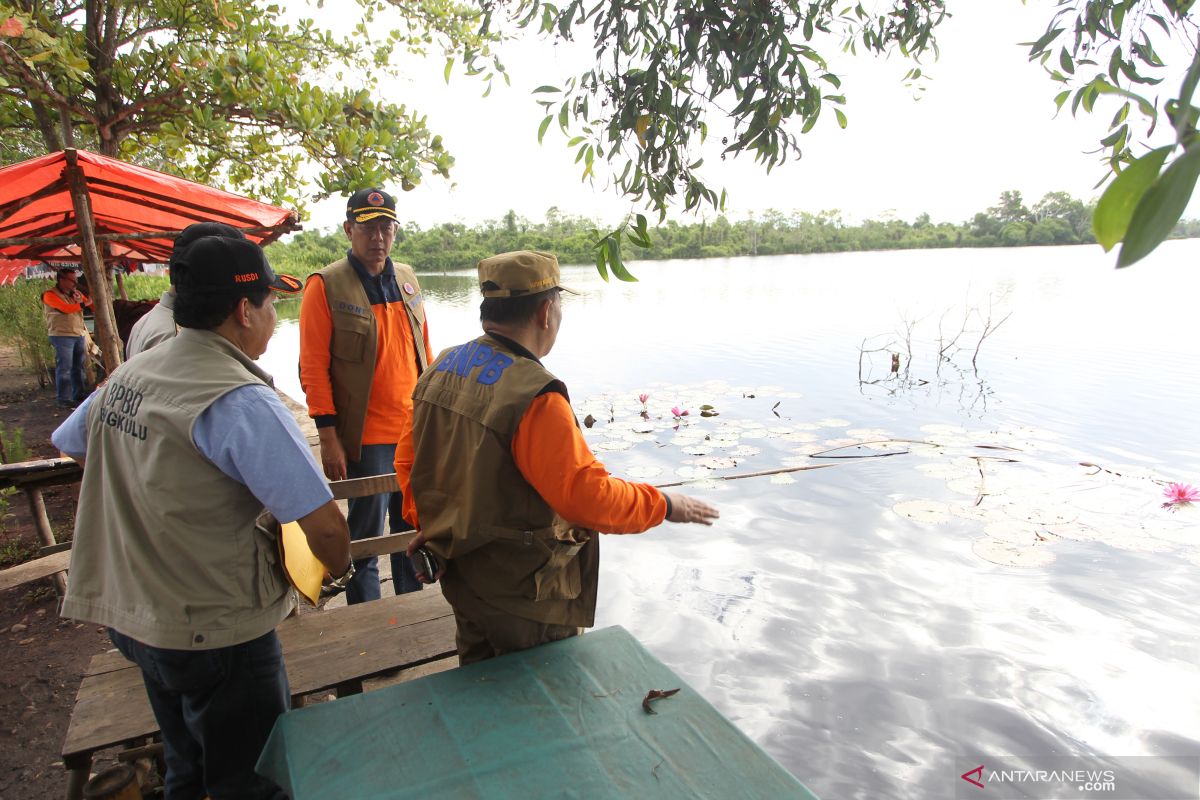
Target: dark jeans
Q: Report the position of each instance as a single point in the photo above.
(68, 368)
(215, 709)
(366, 520)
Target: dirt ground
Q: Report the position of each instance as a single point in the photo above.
(42, 657)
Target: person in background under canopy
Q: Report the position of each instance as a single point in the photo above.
(63, 304)
(498, 476)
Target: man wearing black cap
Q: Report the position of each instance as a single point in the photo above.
(363, 342)
(510, 497)
(184, 447)
(158, 324)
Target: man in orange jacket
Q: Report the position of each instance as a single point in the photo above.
(63, 304)
(508, 493)
(363, 342)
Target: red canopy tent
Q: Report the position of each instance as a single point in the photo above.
(136, 211)
(11, 270)
(77, 206)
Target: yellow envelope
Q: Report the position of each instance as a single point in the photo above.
(302, 568)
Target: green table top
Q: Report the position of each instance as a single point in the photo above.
(561, 720)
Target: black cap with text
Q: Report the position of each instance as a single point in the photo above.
(217, 265)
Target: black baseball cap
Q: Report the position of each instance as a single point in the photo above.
(198, 230)
(368, 204)
(217, 265)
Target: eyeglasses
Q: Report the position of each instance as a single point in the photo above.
(383, 230)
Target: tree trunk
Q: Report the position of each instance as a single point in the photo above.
(106, 329)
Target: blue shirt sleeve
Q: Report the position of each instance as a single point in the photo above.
(71, 436)
(251, 437)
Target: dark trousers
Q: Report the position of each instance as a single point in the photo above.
(215, 709)
(365, 518)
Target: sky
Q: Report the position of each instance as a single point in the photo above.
(983, 124)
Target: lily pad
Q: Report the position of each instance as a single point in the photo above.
(782, 479)
(716, 462)
(969, 486)
(612, 445)
(923, 510)
(1011, 555)
(643, 471)
(693, 473)
(1011, 531)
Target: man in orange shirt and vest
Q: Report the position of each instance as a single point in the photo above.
(63, 304)
(508, 494)
(363, 342)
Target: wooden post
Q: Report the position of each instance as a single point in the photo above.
(106, 328)
(41, 521)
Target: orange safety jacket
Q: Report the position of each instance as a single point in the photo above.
(360, 356)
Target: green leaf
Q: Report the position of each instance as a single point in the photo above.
(1064, 58)
(546, 89)
(602, 258)
(449, 67)
(1117, 204)
(544, 127)
(841, 117)
(1160, 207)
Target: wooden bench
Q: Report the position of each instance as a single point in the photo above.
(332, 649)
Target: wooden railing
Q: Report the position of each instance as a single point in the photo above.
(54, 558)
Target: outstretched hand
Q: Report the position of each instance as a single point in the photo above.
(689, 509)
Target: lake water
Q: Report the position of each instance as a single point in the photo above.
(960, 592)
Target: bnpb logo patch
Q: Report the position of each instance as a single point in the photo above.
(375, 199)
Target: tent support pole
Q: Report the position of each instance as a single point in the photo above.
(106, 329)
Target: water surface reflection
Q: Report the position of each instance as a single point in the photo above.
(874, 655)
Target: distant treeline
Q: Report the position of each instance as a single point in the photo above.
(1057, 218)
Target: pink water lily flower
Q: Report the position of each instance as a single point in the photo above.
(643, 397)
(1179, 494)
(679, 412)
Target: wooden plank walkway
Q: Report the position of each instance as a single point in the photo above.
(335, 649)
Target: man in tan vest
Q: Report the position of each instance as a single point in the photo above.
(185, 445)
(508, 494)
(363, 342)
(63, 304)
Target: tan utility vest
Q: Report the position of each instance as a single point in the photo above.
(60, 324)
(166, 548)
(354, 340)
(497, 533)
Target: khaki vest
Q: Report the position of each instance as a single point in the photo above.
(353, 342)
(498, 535)
(60, 324)
(166, 547)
